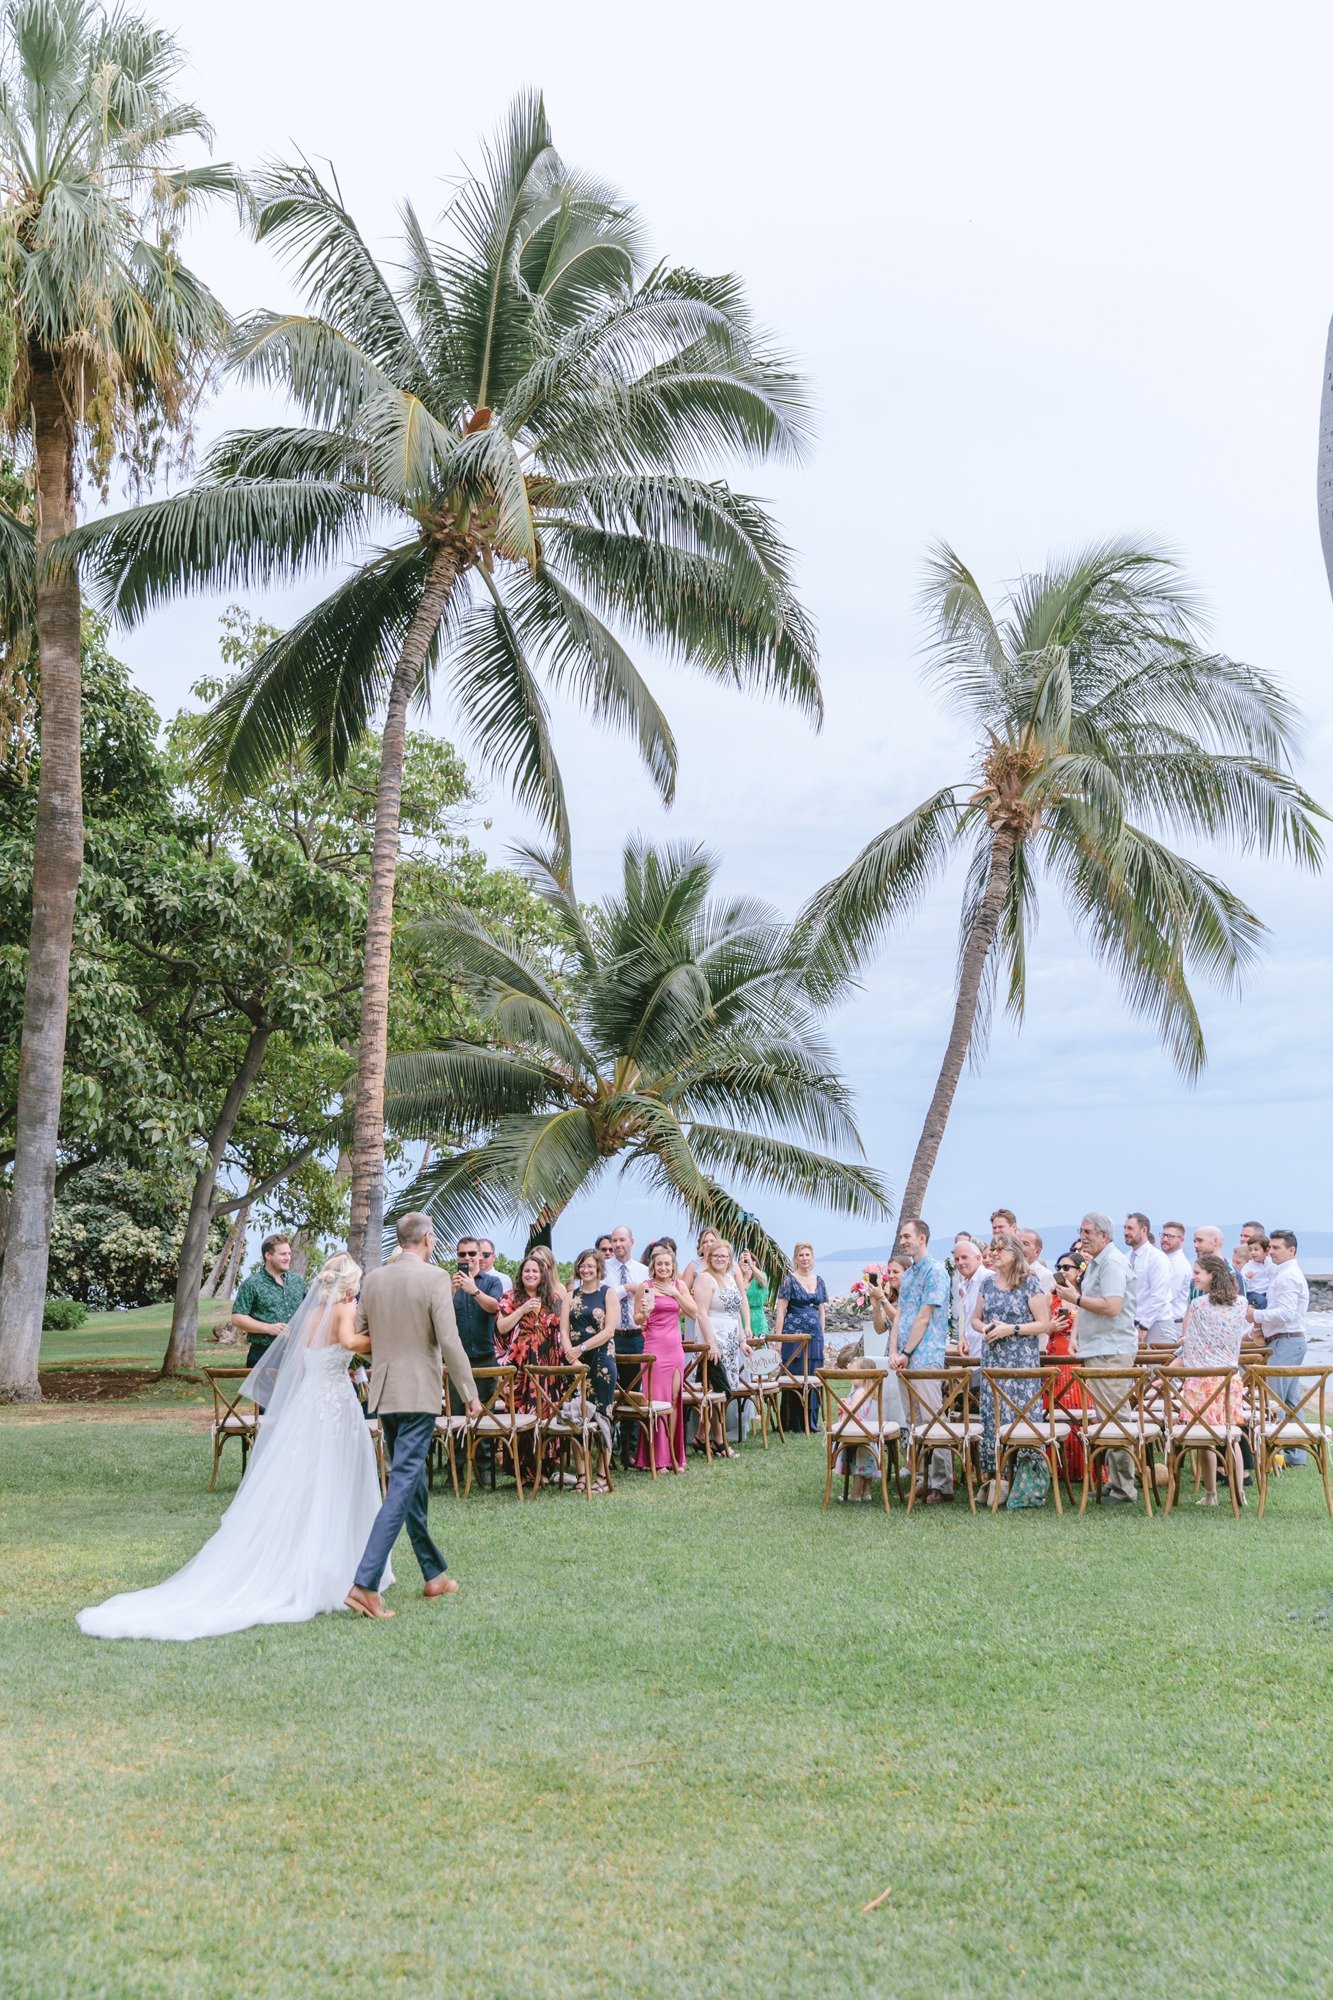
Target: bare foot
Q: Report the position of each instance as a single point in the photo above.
(368, 1602)
(440, 1586)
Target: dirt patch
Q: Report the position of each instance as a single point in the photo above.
(95, 1385)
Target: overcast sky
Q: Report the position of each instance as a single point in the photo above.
(1055, 274)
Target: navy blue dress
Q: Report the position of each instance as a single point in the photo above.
(803, 1317)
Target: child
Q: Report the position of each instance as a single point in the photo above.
(862, 1407)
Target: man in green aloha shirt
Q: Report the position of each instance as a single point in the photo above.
(268, 1298)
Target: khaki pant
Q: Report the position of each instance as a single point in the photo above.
(940, 1477)
(1106, 1393)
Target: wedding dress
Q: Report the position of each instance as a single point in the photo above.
(288, 1546)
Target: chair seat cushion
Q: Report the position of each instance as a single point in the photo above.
(510, 1420)
(235, 1424)
(1284, 1431)
(1205, 1434)
(1023, 1433)
(946, 1430)
(856, 1430)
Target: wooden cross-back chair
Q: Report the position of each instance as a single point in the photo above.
(498, 1423)
(1279, 1426)
(635, 1405)
(763, 1392)
(940, 1418)
(796, 1377)
(567, 1419)
(234, 1416)
(700, 1392)
(1130, 1417)
(1025, 1421)
(374, 1429)
(1206, 1427)
(853, 1407)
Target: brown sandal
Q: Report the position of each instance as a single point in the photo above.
(367, 1610)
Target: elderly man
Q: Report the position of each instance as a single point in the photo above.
(970, 1272)
(922, 1334)
(267, 1299)
(1032, 1249)
(1282, 1320)
(1182, 1273)
(1153, 1319)
(1105, 1333)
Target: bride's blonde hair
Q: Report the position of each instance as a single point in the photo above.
(340, 1278)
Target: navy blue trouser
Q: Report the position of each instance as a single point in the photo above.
(407, 1438)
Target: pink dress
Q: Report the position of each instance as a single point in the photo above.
(662, 1338)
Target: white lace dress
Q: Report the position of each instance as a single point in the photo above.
(288, 1546)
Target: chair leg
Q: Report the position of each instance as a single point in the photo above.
(1055, 1477)
(217, 1453)
(1322, 1454)
(517, 1463)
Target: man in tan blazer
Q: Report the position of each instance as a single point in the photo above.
(407, 1308)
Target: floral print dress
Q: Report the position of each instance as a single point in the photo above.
(1031, 1475)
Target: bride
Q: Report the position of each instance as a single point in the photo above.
(288, 1546)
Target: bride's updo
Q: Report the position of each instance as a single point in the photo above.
(339, 1279)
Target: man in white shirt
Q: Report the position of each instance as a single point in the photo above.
(624, 1271)
(1282, 1320)
(1032, 1249)
(1182, 1272)
(970, 1273)
(1153, 1318)
(1105, 1333)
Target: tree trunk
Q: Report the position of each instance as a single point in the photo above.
(219, 1282)
(56, 864)
(1325, 475)
(975, 953)
(182, 1345)
(365, 1233)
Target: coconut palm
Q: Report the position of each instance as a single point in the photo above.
(689, 1050)
(106, 339)
(508, 436)
(1102, 724)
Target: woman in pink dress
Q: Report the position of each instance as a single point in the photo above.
(658, 1305)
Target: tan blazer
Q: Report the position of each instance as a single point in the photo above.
(407, 1308)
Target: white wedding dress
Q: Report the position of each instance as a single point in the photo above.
(288, 1546)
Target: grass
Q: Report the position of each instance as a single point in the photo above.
(668, 1745)
(139, 1336)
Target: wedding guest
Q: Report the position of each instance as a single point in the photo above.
(884, 1291)
(971, 1274)
(267, 1299)
(922, 1334)
(1153, 1322)
(529, 1325)
(1032, 1248)
(604, 1247)
(724, 1322)
(1215, 1325)
(862, 1462)
(1104, 1332)
(1013, 1317)
(755, 1282)
(1207, 1241)
(1065, 1392)
(801, 1305)
(1182, 1272)
(1282, 1320)
(1252, 1260)
(1003, 1222)
(477, 1296)
(699, 1262)
(486, 1258)
(588, 1313)
(658, 1306)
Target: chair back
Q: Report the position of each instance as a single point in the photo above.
(232, 1412)
(1023, 1416)
(698, 1387)
(932, 1427)
(1112, 1418)
(853, 1407)
(797, 1366)
(1300, 1425)
(634, 1383)
(495, 1391)
(1201, 1420)
(555, 1384)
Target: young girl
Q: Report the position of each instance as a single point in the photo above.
(861, 1460)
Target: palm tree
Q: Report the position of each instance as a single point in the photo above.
(1102, 725)
(523, 415)
(106, 341)
(689, 1048)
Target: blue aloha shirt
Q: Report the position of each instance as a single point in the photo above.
(924, 1283)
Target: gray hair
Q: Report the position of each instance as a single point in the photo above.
(413, 1229)
(1098, 1221)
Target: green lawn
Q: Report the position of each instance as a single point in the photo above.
(669, 1744)
(139, 1336)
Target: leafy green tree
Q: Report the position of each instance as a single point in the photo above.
(105, 340)
(688, 1049)
(116, 1235)
(1102, 724)
(513, 436)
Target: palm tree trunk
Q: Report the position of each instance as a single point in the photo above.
(975, 953)
(1325, 477)
(184, 1339)
(367, 1217)
(57, 863)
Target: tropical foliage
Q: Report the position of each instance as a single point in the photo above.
(106, 339)
(1102, 725)
(511, 438)
(689, 1054)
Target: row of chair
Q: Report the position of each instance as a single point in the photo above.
(1139, 1408)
